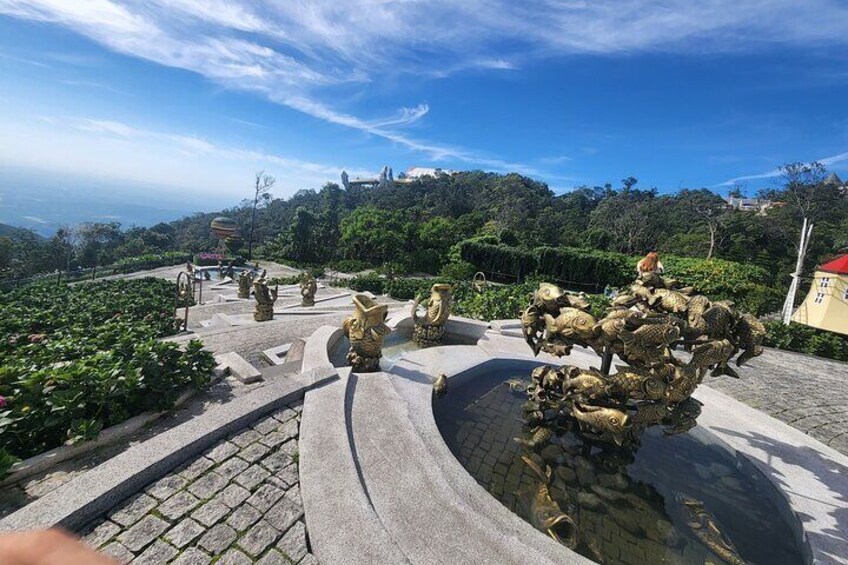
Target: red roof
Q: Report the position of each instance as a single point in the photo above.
(838, 265)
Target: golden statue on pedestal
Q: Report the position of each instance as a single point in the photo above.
(245, 282)
(308, 288)
(265, 298)
(366, 329)
(430, 328)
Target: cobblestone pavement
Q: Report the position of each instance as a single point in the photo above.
(239, 502)
(808, 393)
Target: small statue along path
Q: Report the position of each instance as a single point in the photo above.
(265, 298)
(245, 283)
(308, 288)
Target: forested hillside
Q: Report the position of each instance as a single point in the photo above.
(415, 227)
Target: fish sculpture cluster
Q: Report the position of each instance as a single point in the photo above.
(645, 326)
(429, 329)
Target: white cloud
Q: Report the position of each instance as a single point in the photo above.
(115, 149)
(826, 161)
(299, 53)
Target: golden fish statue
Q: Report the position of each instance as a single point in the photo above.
(245, 283)
(719, 320)
(751, 335)
(587, 385)
(607, 421)
(550, 297)
(440, 385)
(705, 527)
(430, 329)
(308, 288)
(649, 343)
(683, 384)
(672, 301)
(545, 514)
(540, 437)
(634, 383)
(366, 329)
(265, 299)
(643, 292)
(573, 324)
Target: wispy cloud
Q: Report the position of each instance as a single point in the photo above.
(557, 160)
(776, 172)
(161, 151)
(93, 84)
(300, 53)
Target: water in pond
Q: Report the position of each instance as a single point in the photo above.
(396, 345)
(628, 507)
(214, 274)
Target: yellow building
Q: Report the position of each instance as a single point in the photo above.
(826, 306)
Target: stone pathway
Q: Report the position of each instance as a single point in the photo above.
(808, 393)
(238, 502)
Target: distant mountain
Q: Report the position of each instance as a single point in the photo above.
(15, 232)
(43, 201)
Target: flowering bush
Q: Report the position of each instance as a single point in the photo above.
(76, 359)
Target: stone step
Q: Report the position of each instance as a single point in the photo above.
(239, 367)
(277, 355)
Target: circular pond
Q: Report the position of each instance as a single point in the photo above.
(676, 499)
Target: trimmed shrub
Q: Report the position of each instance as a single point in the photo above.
(349, 265)
(804, 339)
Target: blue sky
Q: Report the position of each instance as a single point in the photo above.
(193, 96)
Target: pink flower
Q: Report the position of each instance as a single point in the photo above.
(2, 401)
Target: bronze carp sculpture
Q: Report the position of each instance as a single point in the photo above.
(644, 325)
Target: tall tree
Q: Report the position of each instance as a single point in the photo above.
(261, 192)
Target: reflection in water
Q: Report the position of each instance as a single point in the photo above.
(395, 345)
(680, 499)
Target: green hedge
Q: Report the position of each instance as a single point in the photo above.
(749, 287)
(804, 339)
(151, 261)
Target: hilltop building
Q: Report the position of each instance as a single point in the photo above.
(834, 180)
(826, 306)
(386, 177)
(758, 205)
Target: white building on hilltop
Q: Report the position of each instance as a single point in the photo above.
(386, 177)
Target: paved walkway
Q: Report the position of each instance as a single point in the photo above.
(237, 503)
(808, 393)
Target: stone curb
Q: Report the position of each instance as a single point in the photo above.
(78, 502)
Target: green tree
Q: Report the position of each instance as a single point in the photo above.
(373, 235)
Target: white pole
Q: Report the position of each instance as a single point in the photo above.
(789, 304)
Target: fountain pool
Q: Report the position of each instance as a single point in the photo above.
(396, 345)
(682, 499)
